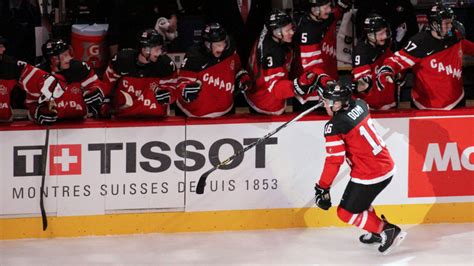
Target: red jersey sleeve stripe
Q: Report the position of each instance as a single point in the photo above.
(310, 54)
(362, 71)
(334, 143)
(405, 58)
(273, 76)
(89, 80)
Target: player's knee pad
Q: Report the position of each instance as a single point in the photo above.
(344, 215)
(356, 219)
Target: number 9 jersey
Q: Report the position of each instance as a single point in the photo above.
(351, 134)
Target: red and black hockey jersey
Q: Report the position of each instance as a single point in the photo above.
(35, 82)
(217, 77)
(269, 65)
(75, 81)
(366, 60)
(133, 86)
(437, 65)
(9, 75)
(316, 44)
(351, 134)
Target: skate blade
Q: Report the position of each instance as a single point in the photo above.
(396, 242)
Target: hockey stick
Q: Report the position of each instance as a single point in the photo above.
(44, 163)
(51, 106)
(202, 180)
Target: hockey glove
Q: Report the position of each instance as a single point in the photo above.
(163, 96)
(326, 80)
(384, 75)
(322, 198)
(93, 100)
(305, 84)
(95, 97)
(46, 113)
(363, 85)
(191, 91)
(243, 81)
(459, 30)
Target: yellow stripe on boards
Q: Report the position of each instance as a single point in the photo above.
(171, 222)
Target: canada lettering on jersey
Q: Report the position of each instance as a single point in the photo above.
(329, 49)
(218, 82)
(138, 94)
(446, 69)
(4, 106)
(70, 104)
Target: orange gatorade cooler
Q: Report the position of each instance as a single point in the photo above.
(88, 43)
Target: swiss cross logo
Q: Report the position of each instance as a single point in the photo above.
(65, 159)
(441, 157)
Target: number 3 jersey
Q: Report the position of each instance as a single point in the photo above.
(351, 134)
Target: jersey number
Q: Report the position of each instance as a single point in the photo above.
(375, 144)
(269, 61)
(357, 60)
(304, 37)
(410, 46)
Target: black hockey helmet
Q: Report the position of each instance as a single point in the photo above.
(437, 13)
(213, 32)
(149, 38)
(373, 23)
(54, 47)
(313, 3)
(337, 91)
(277, 19)
(318, 4)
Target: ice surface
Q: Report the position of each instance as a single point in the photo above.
(442, 244)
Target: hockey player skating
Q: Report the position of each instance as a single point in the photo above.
(142, 82)
(83, 91)
(435, 56)
(351, 134)
(211, 75)
(269, 65)
(368, 56)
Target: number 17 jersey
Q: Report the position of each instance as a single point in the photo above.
(351, 135)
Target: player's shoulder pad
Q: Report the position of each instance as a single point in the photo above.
(166, 65)
(420, 44)
(44, 66)
(309, 32)
(363, 54)
(363, 104)
(357, 111)
(274, 54)
(10, 68)
(345, 121)
(124, 60)
(195, 59)
(80, 69)
(333, 127)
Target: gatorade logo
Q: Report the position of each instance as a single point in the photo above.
(94, 50)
